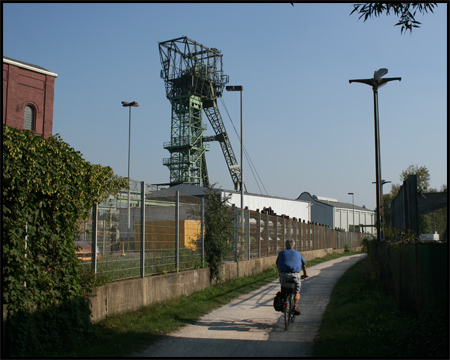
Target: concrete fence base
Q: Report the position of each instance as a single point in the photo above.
(129, 295)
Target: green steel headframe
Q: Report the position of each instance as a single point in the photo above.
(193, 79)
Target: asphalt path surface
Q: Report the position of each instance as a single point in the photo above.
(250, 327)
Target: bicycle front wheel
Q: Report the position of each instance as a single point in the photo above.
(287, 311)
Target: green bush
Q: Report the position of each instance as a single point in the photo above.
(218, 234)
(48, 188)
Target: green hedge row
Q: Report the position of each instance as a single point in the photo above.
(47, 189)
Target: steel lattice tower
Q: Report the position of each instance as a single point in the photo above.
(194, 80)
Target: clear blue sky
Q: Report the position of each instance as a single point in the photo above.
(305, 127)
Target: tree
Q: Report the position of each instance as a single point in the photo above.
(429, 223)
(423, 176)
(405, 12)
(218, 234)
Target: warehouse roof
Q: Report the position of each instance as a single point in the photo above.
(332, 202)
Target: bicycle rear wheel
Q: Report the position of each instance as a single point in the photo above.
(291, 314)
(287, 311)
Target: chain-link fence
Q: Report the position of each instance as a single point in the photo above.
(171, 237)
(166, 241)
(264, 235)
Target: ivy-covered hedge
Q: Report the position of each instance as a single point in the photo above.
(47, 189)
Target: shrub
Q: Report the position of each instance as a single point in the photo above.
(47, 189)
(218, 233)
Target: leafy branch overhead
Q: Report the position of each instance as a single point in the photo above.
(406, 12)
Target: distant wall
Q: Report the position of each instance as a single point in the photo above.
(129, 295)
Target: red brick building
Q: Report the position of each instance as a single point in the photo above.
(28, 93)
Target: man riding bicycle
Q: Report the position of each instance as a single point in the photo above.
(289, 262)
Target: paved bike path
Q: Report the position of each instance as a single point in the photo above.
(248, 326)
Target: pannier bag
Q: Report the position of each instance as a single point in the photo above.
(278, 302)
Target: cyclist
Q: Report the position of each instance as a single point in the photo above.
(289, 263)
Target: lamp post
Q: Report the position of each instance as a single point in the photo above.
(353, 201)
(241, 89)
(377, 82)
(382, 201)
(129, 105)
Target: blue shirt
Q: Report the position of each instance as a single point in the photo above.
(290, 260)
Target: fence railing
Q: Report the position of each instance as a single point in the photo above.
(415, 274)
(159, 231)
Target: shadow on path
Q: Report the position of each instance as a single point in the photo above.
(249, 326)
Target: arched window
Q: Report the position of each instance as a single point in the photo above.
(28, 123)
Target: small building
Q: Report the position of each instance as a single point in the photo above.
(339, 215)
(28, 94)
(300, 210)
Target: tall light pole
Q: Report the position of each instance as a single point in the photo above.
(382, 201)
(377, 82)
(353, 201)
(241, 89)
(129, 105)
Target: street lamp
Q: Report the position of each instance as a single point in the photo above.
(382, 182)
(377, 82)
(353, 201)
(129, 105)
(241, 89)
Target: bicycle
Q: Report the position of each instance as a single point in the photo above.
(288, 293)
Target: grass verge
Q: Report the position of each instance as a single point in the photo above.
(121, 335)
(362, 320)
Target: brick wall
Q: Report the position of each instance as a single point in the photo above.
(22, 87)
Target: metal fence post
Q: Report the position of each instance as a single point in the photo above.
(316, 236)
(268, 234)
(321, 233)
(291, 233)
(276, 235)
(142, 228)
(284, 231)
(177, 230)
(319, 236)
(203, 231)
(94, 237)
(327, 236)
(301, 240)
(309, 233)
(236, 230)
(259, 235)
(296, 230)
(248, 232)
(319, 246)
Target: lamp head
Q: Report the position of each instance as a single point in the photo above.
(234, 88)
(126, 104)
(379, 73)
